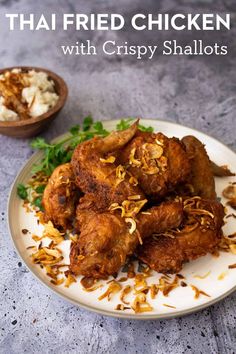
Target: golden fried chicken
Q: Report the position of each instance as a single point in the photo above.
(159, 163)
(96, 170)
(61, 196)
(201, 178)
(107, 238)
(199, 234)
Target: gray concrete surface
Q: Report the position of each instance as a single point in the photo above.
(199, 92)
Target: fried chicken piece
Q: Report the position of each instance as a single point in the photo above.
(97, 172)
(60, 197)
(159, 163)
(106, 239)
(201, 179)
(200, 234)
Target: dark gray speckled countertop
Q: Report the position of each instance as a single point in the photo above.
(199, 92)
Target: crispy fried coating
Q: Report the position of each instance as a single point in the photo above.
(201, 179)
(105, 239)
(60, 197)
(199, 235)
(96, 170)
(159, 163)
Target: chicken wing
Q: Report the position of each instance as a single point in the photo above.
(107, 238)
(60, 197)
(200, 234)
(201, 178)
(221, 171)
(159, 163)
(96, 170)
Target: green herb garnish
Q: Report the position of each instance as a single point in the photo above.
(145, 129)
(75, 129)
(87, 123)
(38, 202)
(40, 189)
(22, 191)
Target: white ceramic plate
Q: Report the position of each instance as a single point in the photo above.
(182, 298)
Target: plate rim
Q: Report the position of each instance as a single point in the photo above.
(108, 313)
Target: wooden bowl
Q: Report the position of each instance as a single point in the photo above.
(30, 127)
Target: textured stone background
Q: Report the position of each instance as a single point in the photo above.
(199, 92)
